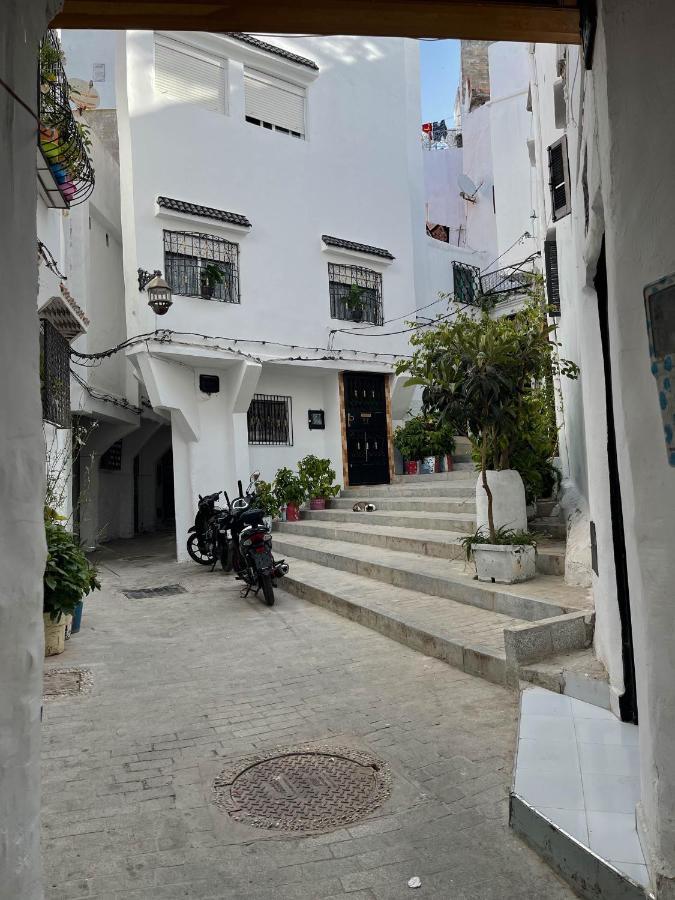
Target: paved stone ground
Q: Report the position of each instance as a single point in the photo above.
(181, 684)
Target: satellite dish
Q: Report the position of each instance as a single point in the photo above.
(466, 186)
(83, 93)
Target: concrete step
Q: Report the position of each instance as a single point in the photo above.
(411, 504)
(441, 544)
(551, 557)
(426, 542)
(462, 488)
(541, 598)
(401, 518)
(462, 472)
(550, 527)
(465, 637)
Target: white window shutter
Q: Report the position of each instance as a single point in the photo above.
(189, 75)
(274, 101)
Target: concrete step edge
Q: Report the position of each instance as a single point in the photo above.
(475, 593)
(472, 659)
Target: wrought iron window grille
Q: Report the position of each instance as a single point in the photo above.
(201, 265)
(54, 376)
(482, 291)
(365, 305)
(111, 460)
(270, 420)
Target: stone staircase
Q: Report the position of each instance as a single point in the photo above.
(401, 570)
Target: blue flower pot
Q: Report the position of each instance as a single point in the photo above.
(77, 617)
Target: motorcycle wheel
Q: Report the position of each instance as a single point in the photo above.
(196, 553)
(268, 590)
(226, 556)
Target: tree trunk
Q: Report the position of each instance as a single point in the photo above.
(486, 488)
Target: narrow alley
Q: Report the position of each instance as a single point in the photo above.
(173, 688)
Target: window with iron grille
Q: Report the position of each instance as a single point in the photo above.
(54, 375)
(201, 265)
(270, 420)
(552, 282)
(559, 179)
(111, 460)
(355, 294)
(466, 283)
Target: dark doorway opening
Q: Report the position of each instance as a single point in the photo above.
(166, 515)
(628, 700)
(366, 426)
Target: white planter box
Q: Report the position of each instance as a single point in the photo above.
(504, 563)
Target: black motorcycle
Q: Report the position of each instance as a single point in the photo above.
(202, 542)
(251, 545)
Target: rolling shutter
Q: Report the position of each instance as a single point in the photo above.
(552, 282)
(275, 102)
(559, 178)
(189, 75)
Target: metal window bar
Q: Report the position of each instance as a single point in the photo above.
(506, 280)
(201, 265)
(54, 375)
(466, 284)
(270, 420)
(340, 281)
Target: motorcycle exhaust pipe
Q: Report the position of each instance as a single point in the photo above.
(281, 570)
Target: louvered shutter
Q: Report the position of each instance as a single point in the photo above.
(189, 75)
(559, 178)
(275, 102)
(552, 282)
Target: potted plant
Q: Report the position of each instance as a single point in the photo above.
(68, 577)
(481, 372)
(267, 501)
(506, 557)
(289, 492)
(354, 302)
(210, 275)
(318, 480)
(442, 444)
(412, 441)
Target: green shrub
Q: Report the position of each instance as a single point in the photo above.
(69, 576)
(288, 488)
(317, 477)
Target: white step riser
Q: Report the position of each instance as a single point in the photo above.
(467, 474)
(400, 521)
(420, 491)
(437, 549)
(525, 608)
(412, 504)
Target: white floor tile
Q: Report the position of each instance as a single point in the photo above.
(581, 710)
(545, 703)
(610, 793)
(635, 871)
(597, 731)
(553, 728)
(571, 821)
(548, 757)
(562, 792)
(609, 759)
(613, 837)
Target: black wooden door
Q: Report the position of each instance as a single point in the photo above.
(366, 420)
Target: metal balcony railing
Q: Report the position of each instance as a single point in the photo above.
(506, 280)
(471, 288)
(64, 167)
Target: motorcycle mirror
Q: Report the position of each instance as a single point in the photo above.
(255, 476)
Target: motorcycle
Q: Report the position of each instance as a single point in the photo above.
(200, 544)
(251, 545)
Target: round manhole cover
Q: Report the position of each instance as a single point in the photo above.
(303, 789)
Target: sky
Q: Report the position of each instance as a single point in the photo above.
(439, 77)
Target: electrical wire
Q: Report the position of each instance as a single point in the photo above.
(107, 398)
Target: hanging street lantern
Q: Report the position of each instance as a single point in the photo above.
(159, 292)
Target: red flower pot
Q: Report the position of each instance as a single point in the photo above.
(411, 467)
(317, 503)
(292, 512)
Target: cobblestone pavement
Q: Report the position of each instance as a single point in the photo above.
(181, 684)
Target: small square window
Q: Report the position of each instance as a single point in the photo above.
(201, 265)
(270, 420)
(355, 294)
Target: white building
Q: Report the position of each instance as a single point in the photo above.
(292, 167)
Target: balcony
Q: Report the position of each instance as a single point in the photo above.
(65, 172)
(471, 288)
